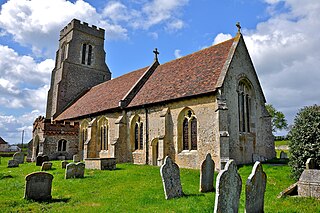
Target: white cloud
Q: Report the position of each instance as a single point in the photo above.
(147, 14)
(177, 53)
(12, 126)
(23, 82)
(37, 22)
(221, 37)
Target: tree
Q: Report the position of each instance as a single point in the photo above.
(278, 120)
(304, 139)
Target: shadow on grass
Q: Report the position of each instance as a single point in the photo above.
(193, 195)
(53, 200)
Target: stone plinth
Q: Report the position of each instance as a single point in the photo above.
(309, 183)
(101, 163)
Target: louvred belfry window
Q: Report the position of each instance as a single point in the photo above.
(86, 54)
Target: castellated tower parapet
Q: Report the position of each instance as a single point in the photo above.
(80, 65)
(84, 27)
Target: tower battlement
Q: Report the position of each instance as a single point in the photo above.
(75, 24)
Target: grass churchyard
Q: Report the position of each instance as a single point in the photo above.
(134, 188)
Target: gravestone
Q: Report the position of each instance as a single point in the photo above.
(40, 159)
(38, 186)
(207, 174)
(19, 156)
(255, 189)
(76, 158)
(309, 183)
(75, 170)
(64, 164)
(46, 166)
(13, 163)
(170, 175)
(228, 189)
(283, 155)
(311, 163)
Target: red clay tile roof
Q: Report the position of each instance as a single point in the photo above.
(190, 75)
(103, 96)
(194, 74)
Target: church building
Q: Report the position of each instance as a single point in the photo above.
(210, 101)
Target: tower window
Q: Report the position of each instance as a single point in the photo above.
(86, 54)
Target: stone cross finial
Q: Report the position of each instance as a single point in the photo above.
(156, 53)
(239, 27)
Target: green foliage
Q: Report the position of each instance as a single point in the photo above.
(278, 120)
(134, 188)
(304, 139)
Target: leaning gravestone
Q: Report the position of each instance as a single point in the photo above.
(64, 164)
(46, 166)
(170, 174)
(283, 155)
(75, 170)
(13, 163)
(38, 186)
(76, 158)
(19, 156)
(207, 174)
(311, 163)
(255, 189)
(40, 159)
(228, 188)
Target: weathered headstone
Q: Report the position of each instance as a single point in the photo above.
(46, 166)
(170, 174)
(75, 170)
(311, 163)
(207, 174)
(38, 186)
(283, 155)
(76, 158)
(13, 163)
(80, 170)
(64, 164)
(40, 159)
(309, 183)
(228, 189)
(255, 189)
(19, 156)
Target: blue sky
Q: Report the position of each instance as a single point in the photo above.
(281, 35)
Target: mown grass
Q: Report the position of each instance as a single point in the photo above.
(134, 188)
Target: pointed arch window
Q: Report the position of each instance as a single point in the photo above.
(189, 131)
(86, 54)
(244, 106)
(137, 134)
(104, 133)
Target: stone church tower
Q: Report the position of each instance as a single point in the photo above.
(80, 65)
